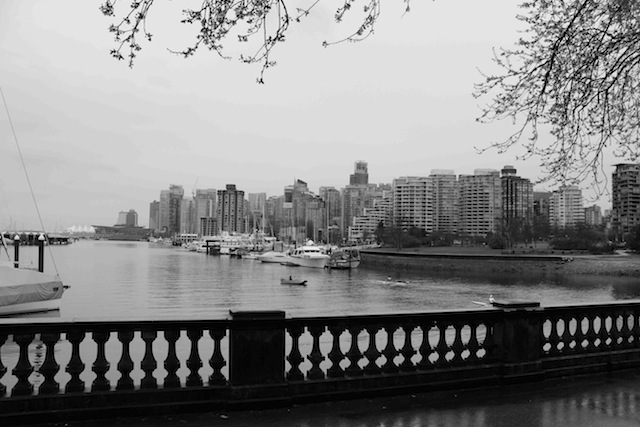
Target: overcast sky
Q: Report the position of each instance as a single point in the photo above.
(98, 137)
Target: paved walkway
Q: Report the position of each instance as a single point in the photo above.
(611, 401)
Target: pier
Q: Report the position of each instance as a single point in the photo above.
(53, 370)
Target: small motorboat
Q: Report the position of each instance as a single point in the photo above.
(292, 281)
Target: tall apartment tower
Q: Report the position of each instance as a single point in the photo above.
(205, 211)
(231, 209)
(444, 189)
(360, 174)
(170, 209)
(566, 208)
(413, 202)
(625, 191)
(593, 215)
(517, 199)
(480, 202)
(154, 216)
(332, 214)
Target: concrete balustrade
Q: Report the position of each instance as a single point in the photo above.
(60, 370)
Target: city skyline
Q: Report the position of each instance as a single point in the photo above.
(98, 137)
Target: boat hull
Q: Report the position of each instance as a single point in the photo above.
(319, 262)
(28, 291)
(30, 307)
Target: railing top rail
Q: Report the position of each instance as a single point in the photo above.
(626, 304)
(15, 324)
(480, 313)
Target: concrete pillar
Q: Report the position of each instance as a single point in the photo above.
(256, 348)
(519, 338)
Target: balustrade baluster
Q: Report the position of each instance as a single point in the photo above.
(125, 365)
(407, 350)
(171, 363)
(442, 348)
(425, 349)
(315, 357)
(390, 351)
(101, 365)
(372, 353)
(457, 347)
(626, 331)
(554, 337)
(49, 367)
(194, 362)
(75, 367)
(3, 369)
(567, 337)
(148, 364)
(335, 355)
(473, 345)
(635, 331)
(489, 343)
(580, 334)
(354, 354)
(615, 330)
(295, 357)
(591, 334)
(23, 368)
(217, 362)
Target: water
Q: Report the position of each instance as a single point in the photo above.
(139, 280)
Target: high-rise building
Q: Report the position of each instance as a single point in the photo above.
(480, 202)
(413, 203)
(625, 192)
(565, 207)
(205, 212)
(517, 203)
(333, 212)
(170, 208)
(593, 215)
(154, 216)
(444, 193)
(230, 213)
(131, 218)
(256, 210)
(360, 174)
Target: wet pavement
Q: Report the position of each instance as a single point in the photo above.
(603, 400)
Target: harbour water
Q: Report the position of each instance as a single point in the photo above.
(134, 280)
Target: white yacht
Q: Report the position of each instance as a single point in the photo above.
(308, 256)
(272, 256)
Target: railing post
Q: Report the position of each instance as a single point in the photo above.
(518, 340)
(41, 253)
(257, 355)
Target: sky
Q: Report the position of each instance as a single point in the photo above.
(98, 137)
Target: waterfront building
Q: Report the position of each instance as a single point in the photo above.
(480, 202)
(256, 211)
(187, 216)
(566, 208)
(541, 227)
(332, 218)
(625, 192)
(444, 194)
(364, 227)
(170, 202)
(230, 210)
(593, 216)
(205, 211)
(413, 203)
(517, 205)
(154, 216)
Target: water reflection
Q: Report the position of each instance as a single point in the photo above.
(142, 280)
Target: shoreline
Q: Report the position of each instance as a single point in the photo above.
(471, 260)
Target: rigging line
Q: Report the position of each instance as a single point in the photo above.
(24, 168)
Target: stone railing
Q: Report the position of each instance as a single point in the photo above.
(61, 370)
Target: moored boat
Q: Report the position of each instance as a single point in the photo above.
(344, 258)
(272, 256)
(308, 256)
(28, 291)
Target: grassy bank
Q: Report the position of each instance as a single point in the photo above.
(619, 264)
